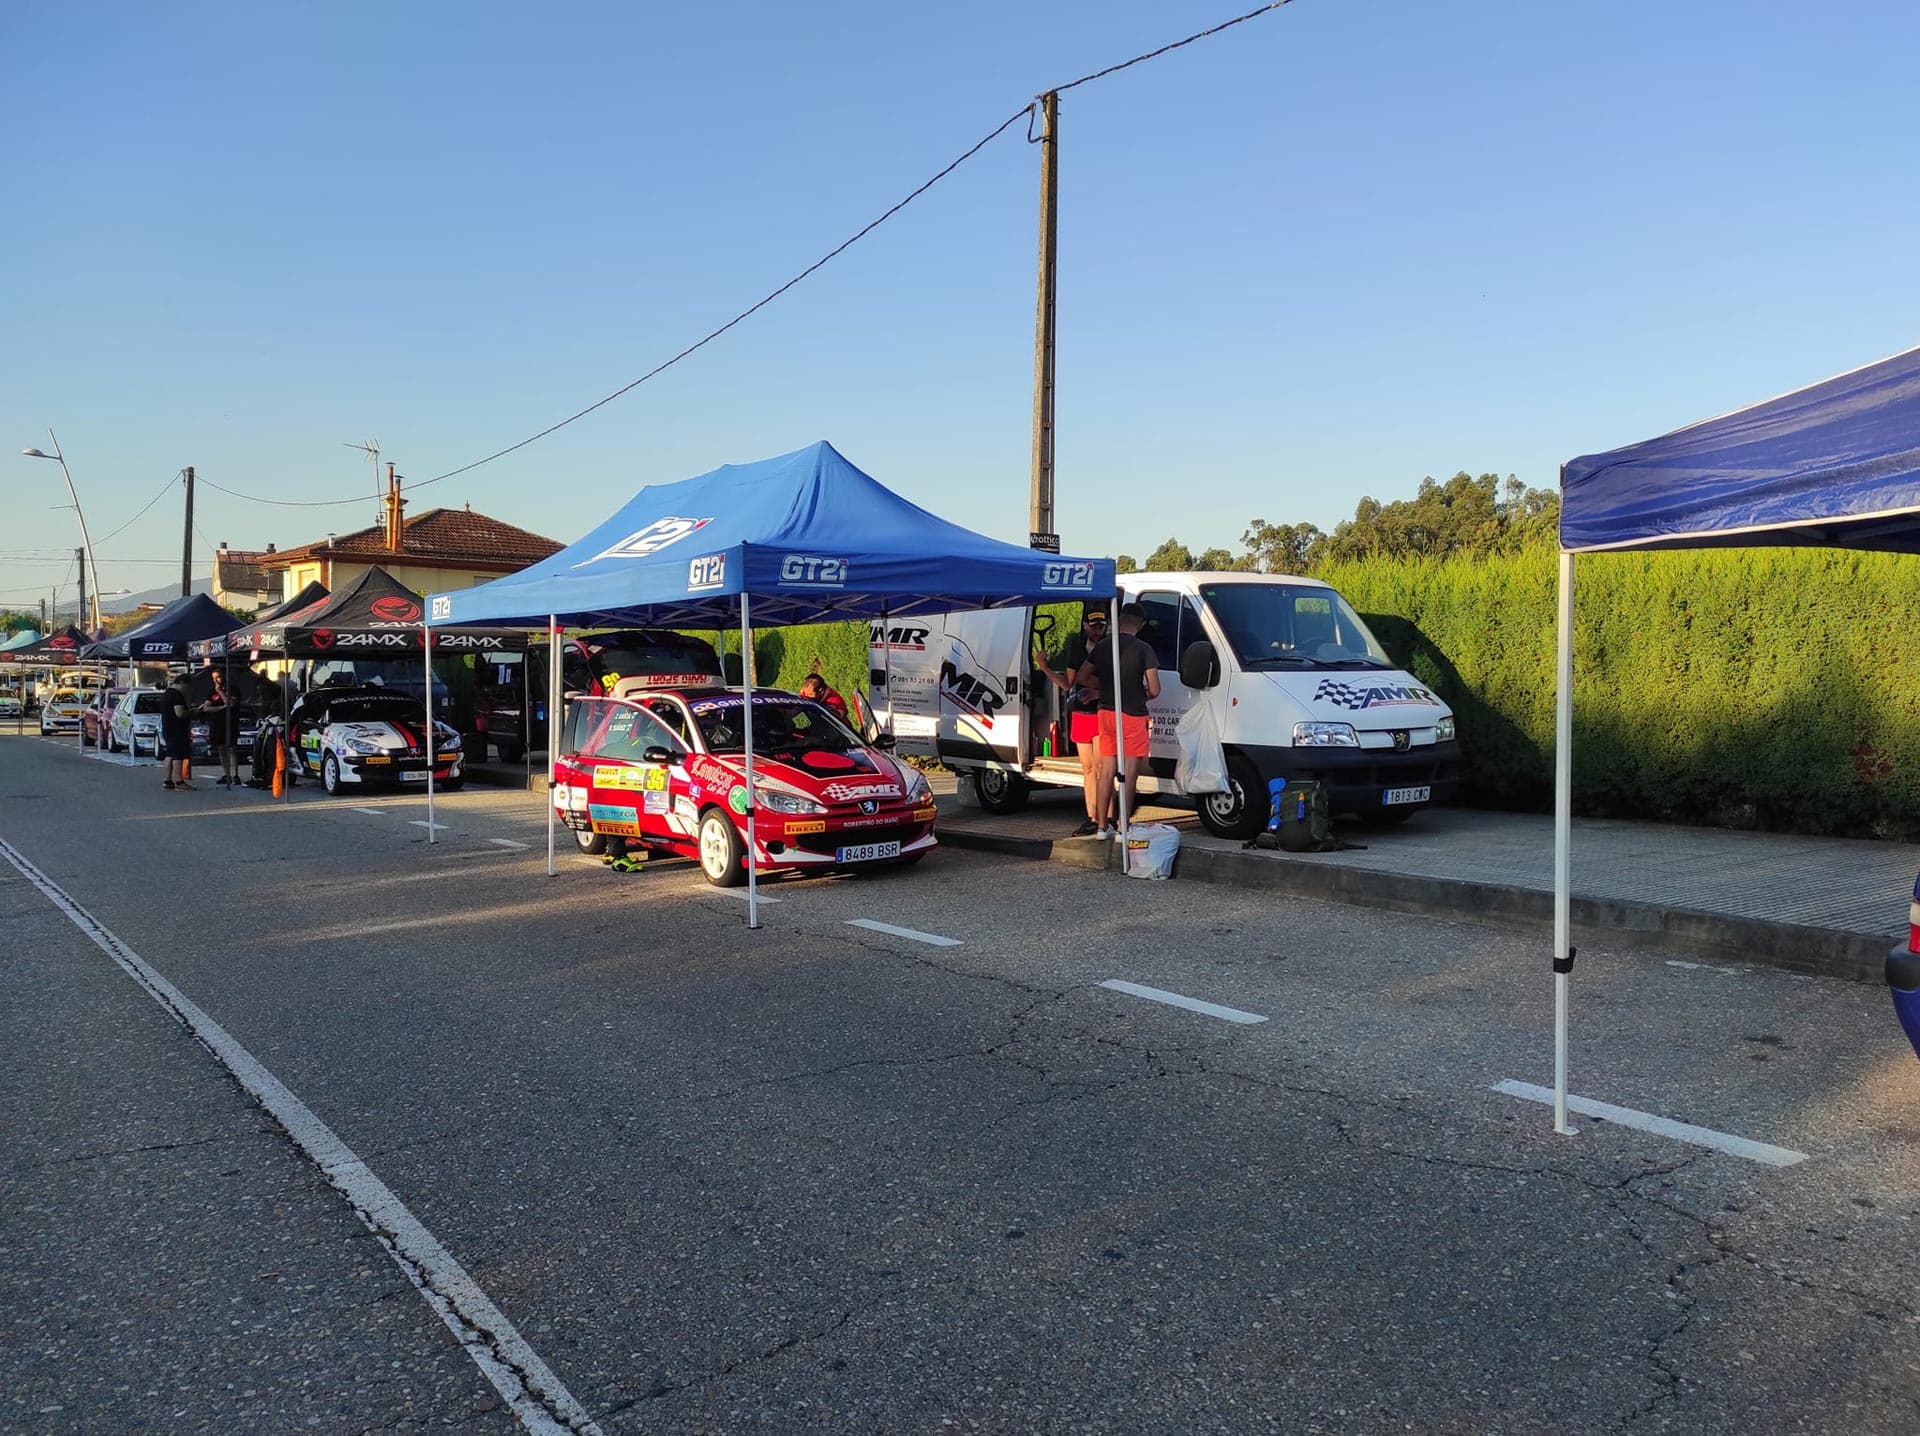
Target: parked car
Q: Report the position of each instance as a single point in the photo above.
(664, 770)
(9, 706)
(135, 722)
(592, 664)
(1903, 974)
(200, 729)
(60, 713)
(97, 716)
(353, 735)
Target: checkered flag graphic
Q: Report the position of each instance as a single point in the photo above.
(1342, 695)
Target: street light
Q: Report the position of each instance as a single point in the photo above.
(74, 493)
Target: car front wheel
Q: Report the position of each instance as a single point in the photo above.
(720, 849)
(330, 774)
(1236, 811)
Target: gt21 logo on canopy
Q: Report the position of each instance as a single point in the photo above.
(644, 543)
(1066, 575)
(707, 571)
(442, 605)
(811, 570)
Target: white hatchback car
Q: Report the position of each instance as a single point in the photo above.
(135, 723)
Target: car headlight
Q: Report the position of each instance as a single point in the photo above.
(774, 800)
(918, 789)
(448, 740)
(1325, 735)
(1443, 731)
(362, 746)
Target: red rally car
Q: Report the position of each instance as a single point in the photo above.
(665, 771)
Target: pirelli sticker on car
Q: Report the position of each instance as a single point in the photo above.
(628, 779)
(802, 828)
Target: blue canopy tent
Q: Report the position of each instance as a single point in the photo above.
(803, 538)
(1836, 464)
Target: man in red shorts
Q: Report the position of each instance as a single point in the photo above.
(1139, 684)
(1083, 723)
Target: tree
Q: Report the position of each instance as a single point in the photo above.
(1464, 515)
(1215, 560)
(1125, 564)
(1281, 548)
(1171, 557)
(14, 620)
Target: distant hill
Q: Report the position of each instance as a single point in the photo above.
(128, 602)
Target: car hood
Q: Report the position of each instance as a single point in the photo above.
(836, 777)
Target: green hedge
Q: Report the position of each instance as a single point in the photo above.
(1756, 688)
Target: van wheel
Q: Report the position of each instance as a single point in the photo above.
(1001, 791)
(1238, 812)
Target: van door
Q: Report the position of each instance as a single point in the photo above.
(1172, 623)
(981, 675)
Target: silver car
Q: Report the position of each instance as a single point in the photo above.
(136, 722)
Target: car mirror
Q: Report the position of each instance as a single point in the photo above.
(884, 742)
(1200, 665)
(657, 754)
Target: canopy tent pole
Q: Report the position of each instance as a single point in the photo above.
(426, 649)
(886, 670)
(1562, 843)
(753, 806)
(553, 727)
(1119, 726)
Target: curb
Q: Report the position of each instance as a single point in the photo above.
(1823, 952)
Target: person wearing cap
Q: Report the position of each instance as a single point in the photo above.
(1083, 710)
(1124, 737)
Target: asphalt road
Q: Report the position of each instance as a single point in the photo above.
(826, 1176)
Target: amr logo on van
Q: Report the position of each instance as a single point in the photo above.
(900, 637)
(982, 697)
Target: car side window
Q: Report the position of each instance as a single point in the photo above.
(1161, 630)
(673, 718)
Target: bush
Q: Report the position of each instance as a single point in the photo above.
(1770, 688)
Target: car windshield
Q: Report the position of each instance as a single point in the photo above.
(1285, 625)
(780, 725)
(376, 709)
(146, 703)
(667, 655)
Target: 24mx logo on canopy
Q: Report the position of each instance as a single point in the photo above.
(393, 608)
(644, 543)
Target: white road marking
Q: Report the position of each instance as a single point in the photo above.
(741, 893)
(523, 1380)
(423, 823)
(508, 843)
(1192, 1004)
(1764, 1152)
(931, 939)
(1709, 967)
(372, 812)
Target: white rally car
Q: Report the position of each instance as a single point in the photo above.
(368, 735)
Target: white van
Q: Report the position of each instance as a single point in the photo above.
(1297, 686)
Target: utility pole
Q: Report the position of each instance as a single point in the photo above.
(80, 608)
(1040, 519)
(186, 543)
(43, 617)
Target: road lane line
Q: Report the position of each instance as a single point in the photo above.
(1763, 1152)
(1192, 1004)
(931, 939)
(423, 823)
(372, 812)
(523, 1380)
(740, 893)
(508, 843)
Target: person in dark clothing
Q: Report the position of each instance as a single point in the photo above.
(1123, 736)
(176, 736)
(223, 729)
(1083, 707)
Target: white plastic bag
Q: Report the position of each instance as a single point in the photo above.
(1202, 767)
(1151, 849)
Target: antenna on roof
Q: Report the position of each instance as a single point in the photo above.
(372, 450)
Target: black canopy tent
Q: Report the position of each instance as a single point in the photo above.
(261, 635)
(380, 617)
(168, 636)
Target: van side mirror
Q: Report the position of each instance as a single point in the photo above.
(657, 754)
(1200, 665)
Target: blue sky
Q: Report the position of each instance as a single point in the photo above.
(1341, 247)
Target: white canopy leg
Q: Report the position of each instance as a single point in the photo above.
(753, 806)
(1119, 726)
(1562, 843)
(553, 726)
(426, 649)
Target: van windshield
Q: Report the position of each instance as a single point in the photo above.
(1286, 625)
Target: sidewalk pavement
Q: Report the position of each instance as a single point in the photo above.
(1827, 905)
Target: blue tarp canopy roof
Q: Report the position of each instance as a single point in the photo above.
(1837, 463)
(807, 535)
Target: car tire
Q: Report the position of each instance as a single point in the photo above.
(510, 752)
(1000, 791)
(720, 855)
(330, 774)
(590, 843)
(1237, 812)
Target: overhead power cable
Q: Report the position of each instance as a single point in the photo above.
(149, 504)
(754, 308)
(280, 503)
(1168, 49)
